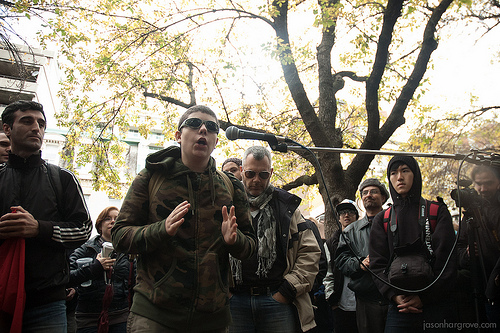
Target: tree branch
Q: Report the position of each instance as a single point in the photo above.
(302, 180)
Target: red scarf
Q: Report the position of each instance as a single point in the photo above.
(12, 293)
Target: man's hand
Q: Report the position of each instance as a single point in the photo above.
(19, 223)
(176, 218)
(366, 263)
(229, 226)
(408, 303)
(70, 293)
(280, 298)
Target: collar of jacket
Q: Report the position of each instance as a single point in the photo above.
(18, 162)
(168, 161)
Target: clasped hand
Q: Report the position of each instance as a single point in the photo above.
(18, 224)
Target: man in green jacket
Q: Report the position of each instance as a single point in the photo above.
(183, 220)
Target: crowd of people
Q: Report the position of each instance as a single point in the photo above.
(198, 249)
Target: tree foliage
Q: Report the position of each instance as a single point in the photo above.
(476, 132)
(330, 73)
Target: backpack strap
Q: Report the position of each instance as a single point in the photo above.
(227, 182)
(432, 213)
(387, 214)
(392, 221)
(154, 185)
(54, 175)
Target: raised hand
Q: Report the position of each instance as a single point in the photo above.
(229, 226)
(176, 218)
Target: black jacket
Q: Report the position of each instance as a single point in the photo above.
(90, 298)
(63, 218)
(486, 233)
(409, 230)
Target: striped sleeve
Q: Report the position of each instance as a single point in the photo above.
(75, 225)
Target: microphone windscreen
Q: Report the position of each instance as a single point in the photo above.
(232, 132)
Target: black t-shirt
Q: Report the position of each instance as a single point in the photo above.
(249, 266)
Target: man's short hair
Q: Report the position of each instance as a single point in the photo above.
(197, 108)
(374, 182)
(484, 168)
(258, 153)
(8, 114)
(234, 160)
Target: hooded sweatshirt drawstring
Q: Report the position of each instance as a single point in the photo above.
(211, 185)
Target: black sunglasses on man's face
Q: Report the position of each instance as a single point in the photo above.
(196, 123)
(262, 175)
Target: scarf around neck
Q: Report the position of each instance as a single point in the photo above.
(266, 236)
(266, 231)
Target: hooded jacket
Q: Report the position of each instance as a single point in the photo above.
(182, 280)
(409, 230)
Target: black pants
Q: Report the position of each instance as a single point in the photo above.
(370, 316)
(344, 321)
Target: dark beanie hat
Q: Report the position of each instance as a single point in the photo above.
(374, 182)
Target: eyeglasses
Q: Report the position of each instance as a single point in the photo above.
(262, 175)
(348, 211)
(372, 192)
(196, 123)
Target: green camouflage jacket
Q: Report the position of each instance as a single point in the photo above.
(182, 280)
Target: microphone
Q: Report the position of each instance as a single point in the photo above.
(234, 133)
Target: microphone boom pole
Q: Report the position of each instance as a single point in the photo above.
(283, 144)
(491, 159)
(378, 152)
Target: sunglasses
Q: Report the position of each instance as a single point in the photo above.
(262, 175)
(196, 123)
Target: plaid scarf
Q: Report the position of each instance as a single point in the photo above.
(266, 236)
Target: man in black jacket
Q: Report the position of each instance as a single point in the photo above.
(482, 230)
(410, 311)
(43, 207)
(272, 286)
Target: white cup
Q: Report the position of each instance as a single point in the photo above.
(107, 249)
(85, 262)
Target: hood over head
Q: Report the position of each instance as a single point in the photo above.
(416, 188)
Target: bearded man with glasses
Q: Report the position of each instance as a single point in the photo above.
(272, 285)
(183, 218)
(371, 306)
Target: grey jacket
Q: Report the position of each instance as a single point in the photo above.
(358, 236)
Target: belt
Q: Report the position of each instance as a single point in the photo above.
(255, 290)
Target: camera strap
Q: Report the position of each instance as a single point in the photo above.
(426, 226)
